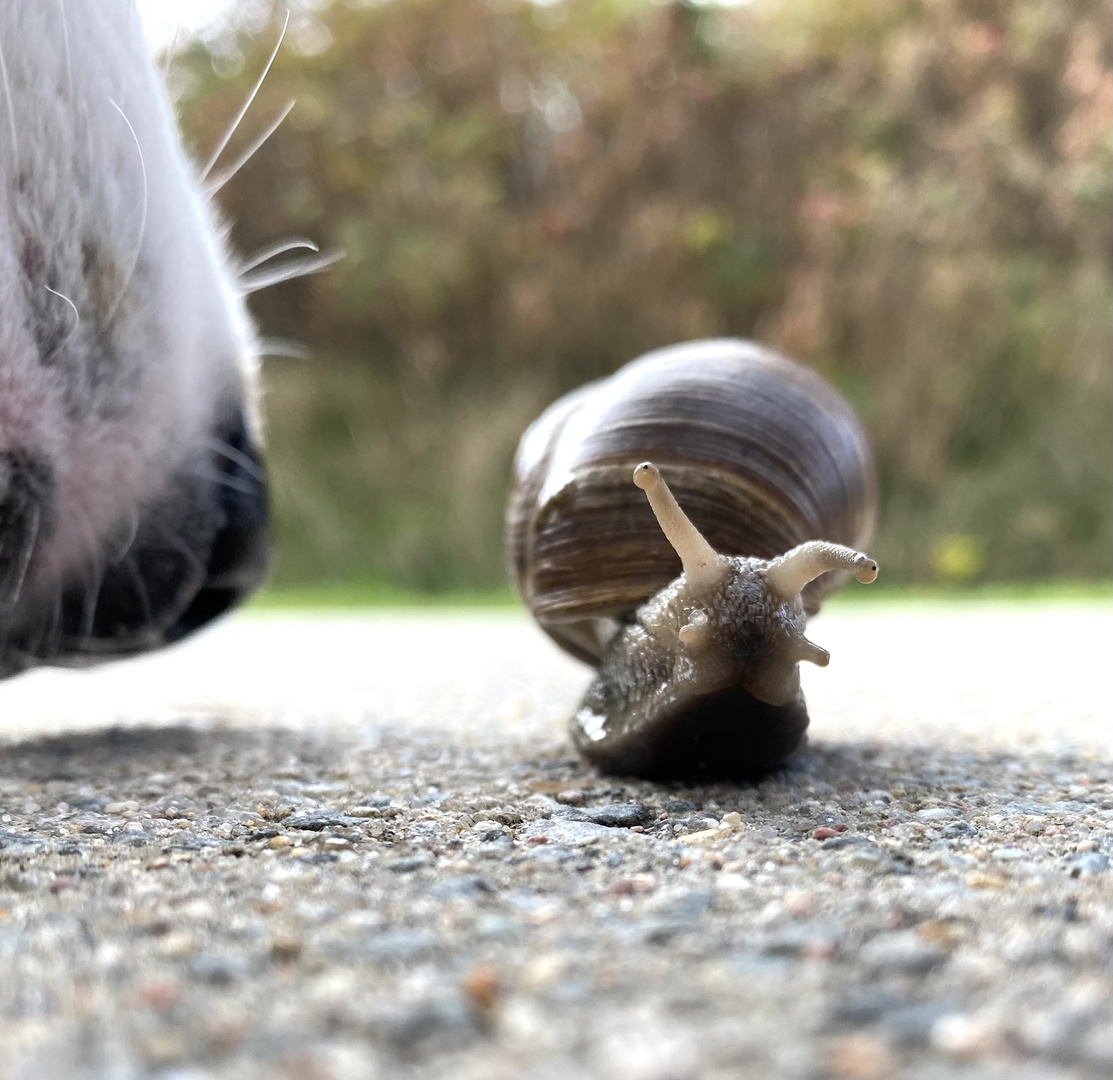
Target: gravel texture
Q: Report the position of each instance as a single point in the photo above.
(322, 848)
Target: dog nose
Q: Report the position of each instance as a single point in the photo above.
(195, 551)
(239, 554)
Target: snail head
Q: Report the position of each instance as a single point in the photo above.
(735, 618)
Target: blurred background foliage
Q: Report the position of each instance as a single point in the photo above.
(913, 196)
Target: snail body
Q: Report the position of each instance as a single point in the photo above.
(696, 674)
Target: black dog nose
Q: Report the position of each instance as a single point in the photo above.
(239, 554)
(198, 549)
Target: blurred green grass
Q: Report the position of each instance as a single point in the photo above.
(913, 199)
(367, 595)
(356, 594)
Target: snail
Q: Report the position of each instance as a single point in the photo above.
(741, 470)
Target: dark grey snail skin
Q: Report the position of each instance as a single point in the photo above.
(697, 675)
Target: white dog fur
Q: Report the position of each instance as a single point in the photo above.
(103, 235)
(122, 332)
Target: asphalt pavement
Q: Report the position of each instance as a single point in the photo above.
(350, 847)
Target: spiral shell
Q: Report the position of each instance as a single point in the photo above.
(760, 452)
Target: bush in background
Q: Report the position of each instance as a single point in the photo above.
(912, 197)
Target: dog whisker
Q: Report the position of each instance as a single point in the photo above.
(175, 541)
(237, 457)
(220, 147)
(214, 185)
(94, 580)
(142, 223)
(131, 567)
(76, 317)
(10, 601)
(66, 46)
(282, 347)
(128, 538)
(11, 105)
(229, 483)
(264, 279)
(168, 57)
(272, 251)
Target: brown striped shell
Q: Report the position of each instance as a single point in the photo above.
(761, 453)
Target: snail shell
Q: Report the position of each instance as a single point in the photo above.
(696, 674)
